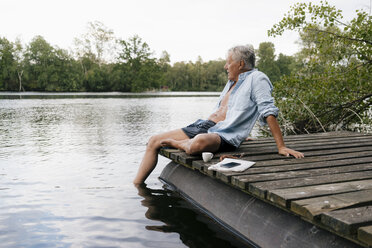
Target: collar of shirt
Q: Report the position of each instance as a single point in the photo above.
(241, 78)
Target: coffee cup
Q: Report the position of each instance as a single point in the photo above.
(207, 156)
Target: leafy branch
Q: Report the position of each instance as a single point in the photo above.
(340, 36)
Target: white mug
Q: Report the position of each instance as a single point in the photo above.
(207, 156)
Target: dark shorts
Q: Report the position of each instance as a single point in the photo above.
(202, 126)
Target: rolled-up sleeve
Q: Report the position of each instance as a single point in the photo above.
(261, 94)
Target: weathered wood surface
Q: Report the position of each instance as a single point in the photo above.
(284, 197)
(348, 221)
(365, 234)
(331, 187)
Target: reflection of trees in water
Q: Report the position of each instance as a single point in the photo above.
(180, 217)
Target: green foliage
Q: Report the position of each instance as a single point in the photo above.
(140, 70)
(272, 67)
(198, 76)
(7, 64)
(286, 64)
(266, 61)
(331, 88)
(49, 69)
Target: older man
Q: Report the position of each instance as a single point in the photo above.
(245, 98)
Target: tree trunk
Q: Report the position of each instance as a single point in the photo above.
(20, 79)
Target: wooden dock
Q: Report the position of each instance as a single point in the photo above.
(330, 188)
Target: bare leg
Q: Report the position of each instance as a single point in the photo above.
(200, 143)
(150, 158)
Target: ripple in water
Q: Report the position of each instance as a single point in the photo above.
(66, 170)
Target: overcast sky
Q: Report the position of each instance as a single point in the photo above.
(184, 28)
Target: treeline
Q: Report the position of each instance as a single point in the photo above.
(42, 67)
(101, 62)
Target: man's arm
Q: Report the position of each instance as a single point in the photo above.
(277, 134)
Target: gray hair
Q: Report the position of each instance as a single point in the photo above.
(245, 53)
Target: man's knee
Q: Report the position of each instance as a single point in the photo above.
(200, 144)
(195, 147)
(154, 142)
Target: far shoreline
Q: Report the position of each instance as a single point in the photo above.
(51, 95)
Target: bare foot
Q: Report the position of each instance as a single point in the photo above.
(179, 144)
(168, 142)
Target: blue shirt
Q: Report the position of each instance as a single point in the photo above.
(250, 100)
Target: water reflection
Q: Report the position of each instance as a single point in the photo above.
(178, 216)
(31, 228)
(66, 171)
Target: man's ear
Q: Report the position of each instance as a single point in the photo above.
(241, 64)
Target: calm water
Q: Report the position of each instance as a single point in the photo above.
(66, 167)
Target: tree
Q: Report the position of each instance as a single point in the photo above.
(333, 88)
(286, 64)
(164, 63)
(50, 69)
(199, 76)
(98, 43)
(19, 62)
(140, 70)
(7, 61)
(266, 61)
(38, 58)
(66, 71)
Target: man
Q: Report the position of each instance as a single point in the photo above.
(245, 98)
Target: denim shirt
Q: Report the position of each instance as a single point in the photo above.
(250, 100)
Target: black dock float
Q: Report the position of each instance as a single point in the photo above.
(322, 200)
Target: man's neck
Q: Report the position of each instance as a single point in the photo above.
(242, 71)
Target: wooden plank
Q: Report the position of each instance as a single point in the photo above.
(295, 170)
(261, 189)
(340, 140)
(316, 136)
(347, 221)
(304, 149)
(271, 142)
(313, 207)
(166, 152)
(283, 197)
(270, 159)
(311, 159)
(179, 156)
(309, 155)
(262, 174)
(183, 158)
(276, 156)
(365, 235)
(200, 165)
(303, 170)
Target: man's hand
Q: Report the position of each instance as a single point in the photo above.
(231, 156)
(287, 152)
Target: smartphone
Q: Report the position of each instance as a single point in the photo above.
(230, 165)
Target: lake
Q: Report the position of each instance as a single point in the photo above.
(67, 162)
